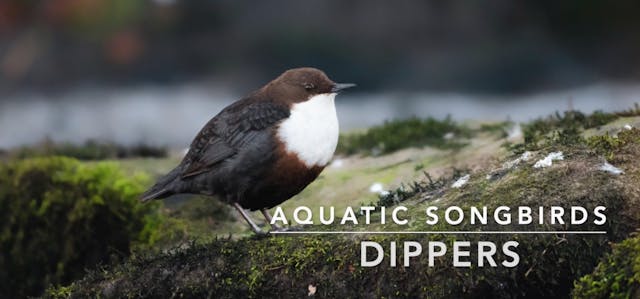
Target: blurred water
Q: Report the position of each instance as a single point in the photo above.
(365, 110)
(173, 115)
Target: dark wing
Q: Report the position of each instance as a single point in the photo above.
(228, 131)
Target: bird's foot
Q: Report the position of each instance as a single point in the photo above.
(260, 234)
(287, 229)
(275, 227)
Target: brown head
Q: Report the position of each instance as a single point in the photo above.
(300, 84)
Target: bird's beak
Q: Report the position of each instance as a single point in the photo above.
(341, 86)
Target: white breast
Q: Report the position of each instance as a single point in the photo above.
(311, 131)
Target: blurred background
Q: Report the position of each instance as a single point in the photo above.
(98, 98)
(154, 72)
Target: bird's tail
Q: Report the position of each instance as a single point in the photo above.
(163, 188)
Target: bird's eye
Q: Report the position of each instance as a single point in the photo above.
(309, 86)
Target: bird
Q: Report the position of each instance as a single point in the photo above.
(262, 149)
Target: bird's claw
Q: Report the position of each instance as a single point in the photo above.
(287, 229)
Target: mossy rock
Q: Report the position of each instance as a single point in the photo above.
(328, 266)
(617, 276)
(59, 217)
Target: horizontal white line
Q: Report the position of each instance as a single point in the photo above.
(574, 232)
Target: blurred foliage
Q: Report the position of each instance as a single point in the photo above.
(202, 208)
(59, 217)
(539, 128)
(562, 129)
(197, 219)
(566, 129)
(90, 150)
(398, 134)
(605, 145)
(500, 129)
(617, 276)
(634, 111)
(516, 47)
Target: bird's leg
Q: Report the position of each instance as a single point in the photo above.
(246, 217)
(267, 216)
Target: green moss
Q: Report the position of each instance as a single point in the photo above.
(500, 129)
(399, 134)
(59, 293)
(617, 276)
(606, 145)
(59, 217)
(563, 129)
(90, 150)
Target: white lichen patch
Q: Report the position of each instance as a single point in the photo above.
(461, 181)
(610, 168)
(378, 188)
(548, 160)
(449, 136)
(507, 166)
(515, 132)
(523, 158)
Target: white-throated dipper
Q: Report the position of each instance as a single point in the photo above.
(263, 149)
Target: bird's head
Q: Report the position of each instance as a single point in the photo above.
(300, 84)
